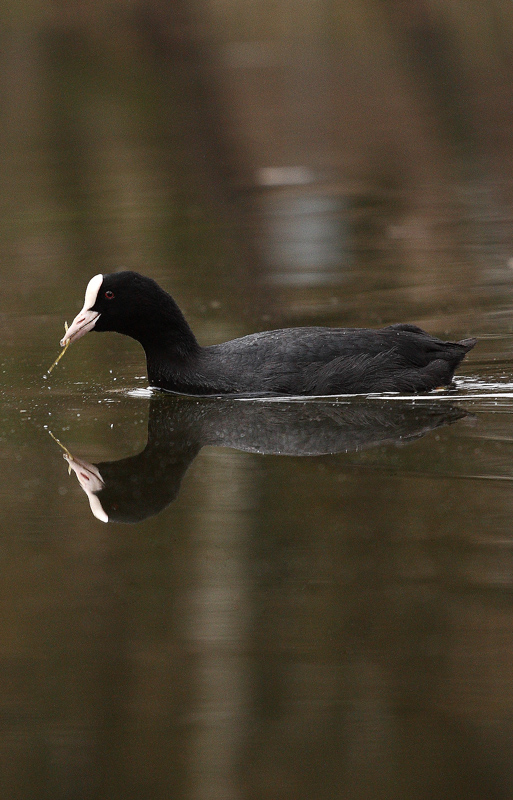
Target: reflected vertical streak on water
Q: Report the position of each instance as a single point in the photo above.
(218, 624)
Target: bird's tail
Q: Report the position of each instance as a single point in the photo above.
(468, 344)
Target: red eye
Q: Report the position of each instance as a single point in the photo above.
(109, 295)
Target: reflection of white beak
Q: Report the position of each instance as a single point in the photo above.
(91, 482)
(82, 323)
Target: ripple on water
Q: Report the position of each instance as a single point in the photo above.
(140, 393)
(488, 392)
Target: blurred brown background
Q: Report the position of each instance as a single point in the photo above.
(336, 627)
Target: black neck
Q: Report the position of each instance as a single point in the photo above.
(165, 330)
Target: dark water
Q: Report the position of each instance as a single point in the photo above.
(290, 599)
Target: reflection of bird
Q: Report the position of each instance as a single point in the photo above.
(140, 486)
(291, 361)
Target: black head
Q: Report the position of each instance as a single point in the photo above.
(132, 304)
(129, 303)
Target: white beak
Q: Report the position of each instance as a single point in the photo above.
(86, 319)
(83, 322)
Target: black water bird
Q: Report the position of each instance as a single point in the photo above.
(291, 361)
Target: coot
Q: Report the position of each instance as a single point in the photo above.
(290, 361)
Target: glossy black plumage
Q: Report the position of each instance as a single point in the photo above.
(291, 361)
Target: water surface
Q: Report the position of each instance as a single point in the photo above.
(257, 599)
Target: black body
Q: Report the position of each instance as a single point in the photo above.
(291, 361)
